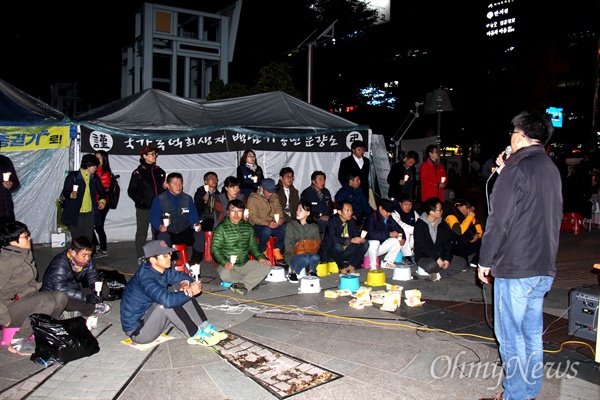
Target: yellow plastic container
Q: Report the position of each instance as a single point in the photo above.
(333, 267)
(375, 277)
(323, 269)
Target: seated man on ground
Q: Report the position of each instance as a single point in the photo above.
(433, 247)
(320, 199)
(342, 242)
(233, 241)
(406, 217)
(384, 235)
(352, 192)
(205, 198)
(298, 256)
(20, 294)
(157, 295)
(74, 272)
(174, 216)
(466, 232)
(266, 216)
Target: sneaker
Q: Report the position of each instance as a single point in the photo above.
(238, 288)
(435, 276)
(408, 260)
(312, 273)
(22, 347)
(277, 255)
(293, 278)
(421, 272)
(388, 265)
(101, 253)
(203, 338)
(472, 265)
(215, 333)
(101, 309)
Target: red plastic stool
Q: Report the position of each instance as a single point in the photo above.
(269, 250)
(572, 222)
(207, 243)
(183, 257)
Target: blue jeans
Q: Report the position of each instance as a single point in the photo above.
(518, 325)
(302, 261)
(264, 233)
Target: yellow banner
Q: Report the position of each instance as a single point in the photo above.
(20, 138)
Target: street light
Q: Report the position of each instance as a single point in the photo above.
(415, 115)
(437, 101)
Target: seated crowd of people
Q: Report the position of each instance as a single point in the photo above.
(249, 213)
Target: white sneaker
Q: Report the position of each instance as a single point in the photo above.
(421, 272)
(388, 265)
(436, 276)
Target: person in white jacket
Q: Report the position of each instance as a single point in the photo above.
(406, 217)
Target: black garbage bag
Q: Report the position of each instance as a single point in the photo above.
(61, 341)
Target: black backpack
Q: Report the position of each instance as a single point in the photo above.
(114, 191)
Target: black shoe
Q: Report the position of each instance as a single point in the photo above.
(238, 288)
(312, 273)
(292, 277)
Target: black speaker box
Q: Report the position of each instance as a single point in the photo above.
(583, 312)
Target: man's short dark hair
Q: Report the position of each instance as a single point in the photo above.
(430, 149)
(358, 143)
(535, 125)
(81, 243)
(209, 173)
(11, 231)
(351, 176)
(174, 175)
(314, 175)
(286, 170)
(413, 155)
(404, 197)
(89, 160)
(237, 203)
(340, 204)
(431, 204)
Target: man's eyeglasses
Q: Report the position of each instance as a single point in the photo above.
(236, 211)
(24, 236)
(440, 210)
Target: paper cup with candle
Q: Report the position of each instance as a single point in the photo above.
(98, 287)
(6, 176)
(246, 213)
(443, 179)
(195, 270)
(363, 234)
(276, 217)
(206, 188)
(232, 259)
(197, 227)
(75, 188)
(406, 177)
(255, 179)
(166, 221)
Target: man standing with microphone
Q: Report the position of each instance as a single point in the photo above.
(519, 251)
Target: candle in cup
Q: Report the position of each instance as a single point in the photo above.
(406, 177)
(206, 188)
(443, 179)
(196, 227)
(6, 176)
(232, 259)
(246, 213)
(195, 270)
(363, 234)
(166, 221)
(276, 217)
(98, 287)
(75, 188)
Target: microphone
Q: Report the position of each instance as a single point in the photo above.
(507, 152)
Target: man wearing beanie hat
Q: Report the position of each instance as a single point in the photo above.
(147, 181)
(266, 216)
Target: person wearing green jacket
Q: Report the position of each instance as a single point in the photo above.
(232, 244)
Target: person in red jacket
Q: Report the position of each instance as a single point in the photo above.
(432, 174)
(104, 173)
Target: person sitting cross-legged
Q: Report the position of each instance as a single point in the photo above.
(178, 210)
(384, 235)
(406, 217)
(466, 232)
(233, 241)
(433, 247)
(342, 242)
(266, 216)
(157, 296)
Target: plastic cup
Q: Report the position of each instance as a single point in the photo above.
(233, 259)
(195, 269)
(443, 179)
(255, 179)
(91, 322)
(98, 287)
(276, 217)
(406, 177)
(196, 227)
(166, 221)
(206, 188)
(363, 234)
(75, 188)
(246, 213)
(6, 176)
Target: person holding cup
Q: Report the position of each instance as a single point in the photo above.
(85, 198)
(401, 178)
(74, 272)
(432, 174)
(249, 173)
(10, 183)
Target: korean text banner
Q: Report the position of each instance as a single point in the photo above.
(222, 140)
(22, 138)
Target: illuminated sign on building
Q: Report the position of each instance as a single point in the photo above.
(382, 7)
(500, 19)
